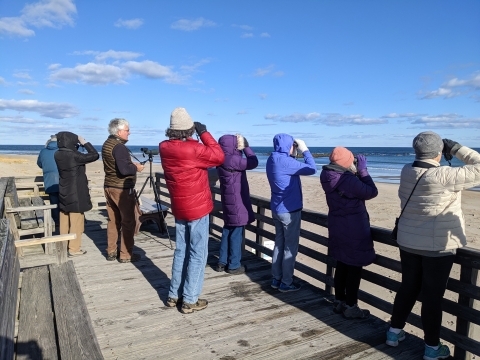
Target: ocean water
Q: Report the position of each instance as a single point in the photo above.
(384, 163)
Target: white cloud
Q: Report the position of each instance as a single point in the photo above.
(265, 34)
(15, 26)
(22, 75)
(455, 87)
(447, 120)
(264, 124)
(335, 119)
(263, 71)
(297, 117)
(221, 100)
(404, 115)
(26, 92)
(243, 27)
(129, 24)
(51, 85)
(263, 96)
(247, 35)
(152, 70)
(271, 116)
(91, 73)
(194, 67)
(110, 54)
(191, 25)
(2, 81)
(52, 110)
(44, 13)
(17, 120)
(54, 66)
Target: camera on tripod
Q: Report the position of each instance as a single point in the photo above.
(148, 152)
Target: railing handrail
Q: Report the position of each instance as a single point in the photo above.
(467, 257)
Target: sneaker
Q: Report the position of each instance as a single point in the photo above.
(393, 339)
(133, 258)
(171, 302)
(275, 283)
(339, 306)
(288, 288)
(354, 312)
(190, 308)
(112, 256)
(442, 352)
(219, 267)
(77, 253)
(237, 271)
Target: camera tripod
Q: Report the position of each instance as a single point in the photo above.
(151, 181)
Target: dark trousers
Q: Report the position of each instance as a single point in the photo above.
(55, 200)
(428, 275)
(347, 281)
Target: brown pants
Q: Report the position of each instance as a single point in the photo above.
(121, 220)
(72, 223)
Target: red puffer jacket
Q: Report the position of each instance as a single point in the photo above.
(185, 166)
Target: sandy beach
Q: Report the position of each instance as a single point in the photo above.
(383, 211)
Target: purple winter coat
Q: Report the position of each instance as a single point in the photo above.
(349, 235)
(236, 205)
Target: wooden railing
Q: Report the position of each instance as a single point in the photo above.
(465, 287)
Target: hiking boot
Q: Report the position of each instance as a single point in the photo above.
(133, 258)
(112, 256)
(171, 302)
(275, 283)
(190, 308)
(442, 352)
(237, 271)
(393, 339)
(219, 267)
(76, 253)
(288, 288)
(354, 312)
(339, 306)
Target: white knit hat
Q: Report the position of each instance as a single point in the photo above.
(180, 120)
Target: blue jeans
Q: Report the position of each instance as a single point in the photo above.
(231, 247)
(287, 237)
(189, 259)
(55, 200)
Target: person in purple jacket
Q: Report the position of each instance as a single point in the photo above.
(346, 188)
(236, 205)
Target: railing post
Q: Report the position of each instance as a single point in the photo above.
(330, 273)
(260, 225)
(469, 276)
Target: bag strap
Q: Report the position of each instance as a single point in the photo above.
(412, 193)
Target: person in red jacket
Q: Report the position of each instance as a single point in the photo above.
(185, 162)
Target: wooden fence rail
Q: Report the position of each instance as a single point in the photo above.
(466, 287)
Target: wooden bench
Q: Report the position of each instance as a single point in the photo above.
(147, 209)
(53, 320)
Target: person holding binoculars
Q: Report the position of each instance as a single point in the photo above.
(185, 162)
(346, 187)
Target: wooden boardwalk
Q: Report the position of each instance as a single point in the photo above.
(245, 319)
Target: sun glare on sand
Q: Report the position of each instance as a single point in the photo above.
(9, 160)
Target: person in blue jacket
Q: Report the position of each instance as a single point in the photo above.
(283, 173)
(46, 161)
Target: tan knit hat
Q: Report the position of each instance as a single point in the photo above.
(342, 156)
(180, 120)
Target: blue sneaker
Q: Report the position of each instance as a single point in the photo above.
(393, 339)
(442, 352)
(275, 283)
(288, 288)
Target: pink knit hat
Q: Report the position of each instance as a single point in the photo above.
(342, 156)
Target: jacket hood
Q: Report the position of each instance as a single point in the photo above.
(330, 177)
(52, 145)
(283, 143)
(229, 145)
(67, 140)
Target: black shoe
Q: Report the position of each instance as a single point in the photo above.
(112, 256)
(219, 267)
(237, 271)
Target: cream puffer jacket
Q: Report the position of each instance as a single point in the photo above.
(433, 219)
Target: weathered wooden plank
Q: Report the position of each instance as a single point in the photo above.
(28, 220)
(45, 240)
(9, 275)
(11, 193)
(76, 336)
(38, 201)
(3, 188)
(36, 330)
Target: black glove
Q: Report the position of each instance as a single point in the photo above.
(200, 128)
(450, 148)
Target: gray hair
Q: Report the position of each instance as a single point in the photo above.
(116, 124)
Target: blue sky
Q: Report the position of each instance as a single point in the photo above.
(351, 73)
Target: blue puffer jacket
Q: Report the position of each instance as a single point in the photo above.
(236, 205)
(46, 161)
(349, 239)
(283, 173)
